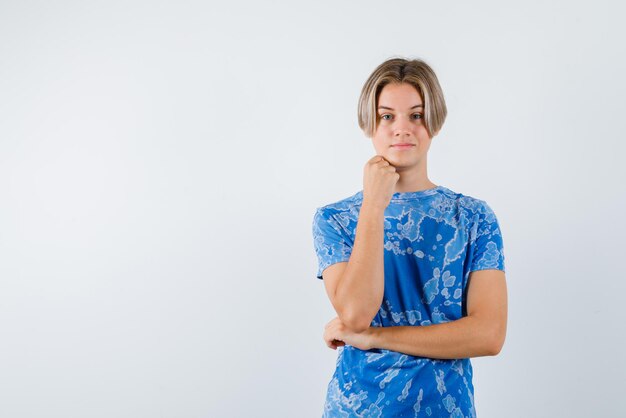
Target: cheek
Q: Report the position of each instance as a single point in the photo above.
(383, 130)
(382, 134)
(422, 134)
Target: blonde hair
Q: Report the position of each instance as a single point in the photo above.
(400, 70)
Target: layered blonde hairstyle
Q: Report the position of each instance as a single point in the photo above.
(400, 70)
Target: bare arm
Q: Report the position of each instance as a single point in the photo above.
(356, 287)
(480, 333)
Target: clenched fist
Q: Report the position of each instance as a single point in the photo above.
(379, 181)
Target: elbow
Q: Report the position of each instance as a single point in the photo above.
(356, 316)
(355, 323)
(494, 349)
(358, 327)
(495, 342)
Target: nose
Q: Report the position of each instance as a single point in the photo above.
(402, 127)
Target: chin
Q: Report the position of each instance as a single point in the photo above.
(402, 162)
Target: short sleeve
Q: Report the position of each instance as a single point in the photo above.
(487, 247)
(332, 243)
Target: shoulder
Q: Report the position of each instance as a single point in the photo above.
(341, 215)
(349, 204)
(471, 204)
(482, 222)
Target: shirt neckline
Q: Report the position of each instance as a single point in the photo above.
(415, 195)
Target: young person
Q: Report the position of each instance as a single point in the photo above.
(414, 270)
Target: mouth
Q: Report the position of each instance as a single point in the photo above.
(402, 146)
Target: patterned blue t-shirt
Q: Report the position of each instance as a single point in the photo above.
(433, 239)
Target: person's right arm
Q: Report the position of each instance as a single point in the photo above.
(356, 287)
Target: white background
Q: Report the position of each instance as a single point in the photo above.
(161, 162)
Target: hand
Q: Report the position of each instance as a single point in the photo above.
(379, 181)
(336, 334)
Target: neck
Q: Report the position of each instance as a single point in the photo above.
(413, 180)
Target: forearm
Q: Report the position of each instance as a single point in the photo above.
(361, 287)
(463, 338)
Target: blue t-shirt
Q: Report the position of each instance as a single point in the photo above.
(433, 239)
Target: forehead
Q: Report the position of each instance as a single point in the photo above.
(399, 95)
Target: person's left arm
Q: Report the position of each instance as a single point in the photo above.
(480, 333)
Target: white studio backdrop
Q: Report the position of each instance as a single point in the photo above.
(161, 162)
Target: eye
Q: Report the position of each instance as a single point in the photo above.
(383, 116)
(419, 116)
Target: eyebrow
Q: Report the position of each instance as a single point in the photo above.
(388, 108)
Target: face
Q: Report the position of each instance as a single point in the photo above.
(400, 121)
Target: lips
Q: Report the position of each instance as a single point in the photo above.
(403, 145)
